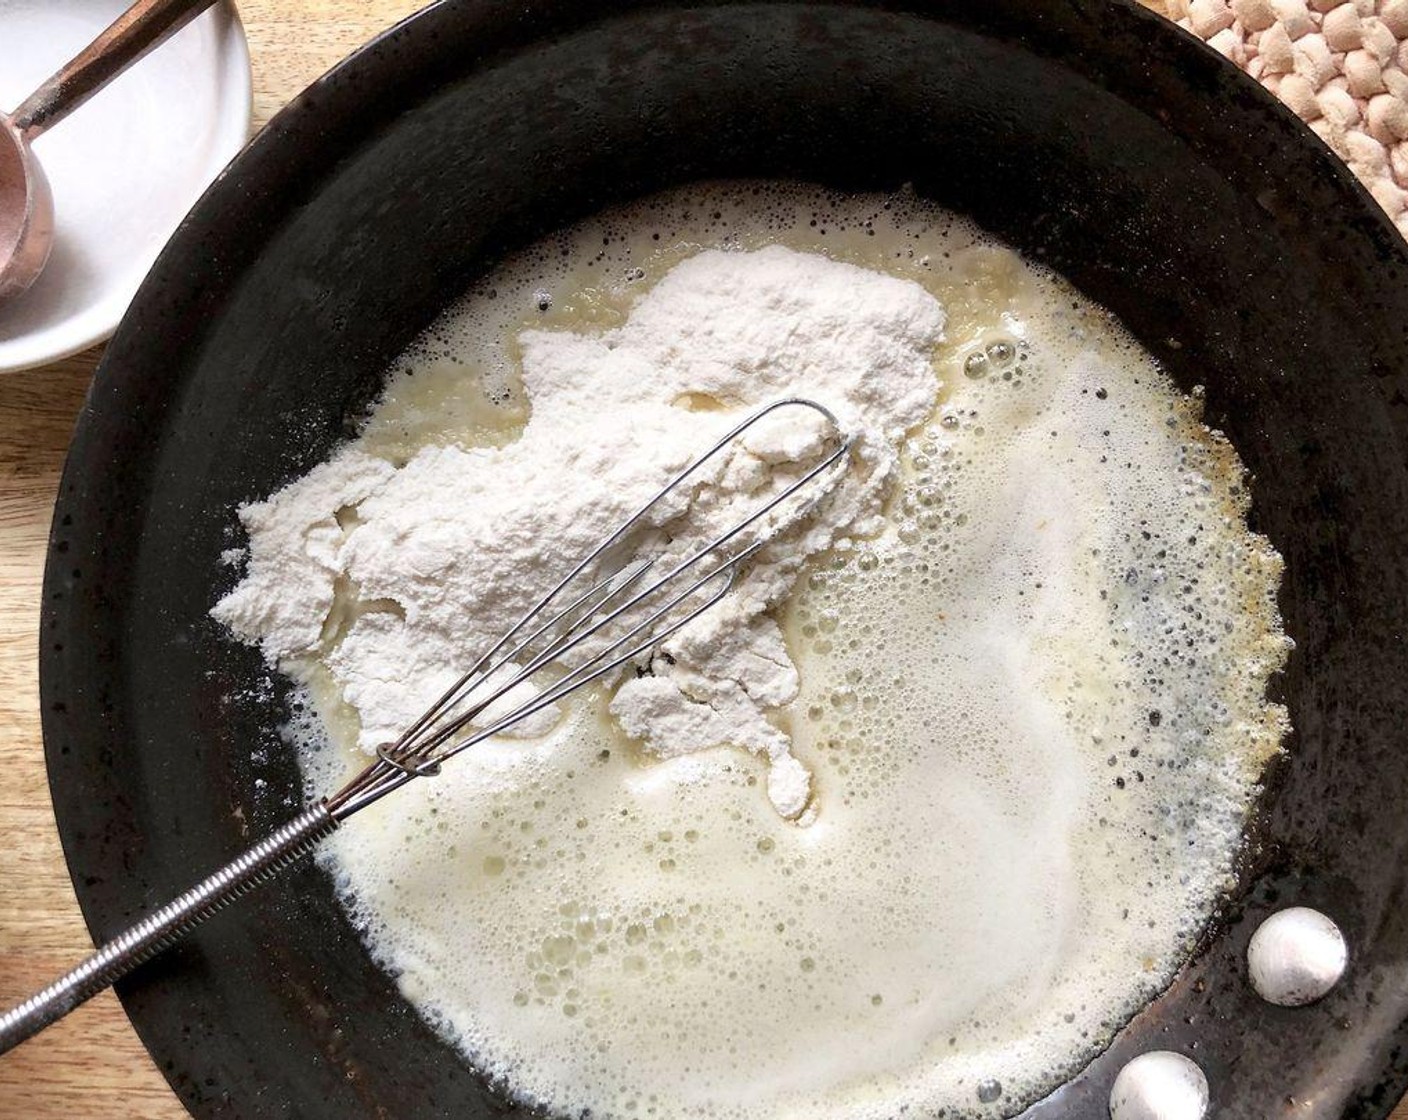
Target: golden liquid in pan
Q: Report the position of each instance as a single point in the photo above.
(1034, 709)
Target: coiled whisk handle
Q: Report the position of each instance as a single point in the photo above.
(156, 931)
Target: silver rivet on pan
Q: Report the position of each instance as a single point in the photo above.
(1159, 1085)
(1296, 956)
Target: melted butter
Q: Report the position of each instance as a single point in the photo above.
(1034, 709)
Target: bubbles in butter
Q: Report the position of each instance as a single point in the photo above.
(1034, 708)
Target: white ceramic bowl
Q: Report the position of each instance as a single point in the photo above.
(125, 167)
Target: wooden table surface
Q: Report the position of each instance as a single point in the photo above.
(91, 1064)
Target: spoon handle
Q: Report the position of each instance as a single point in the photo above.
(143, 26)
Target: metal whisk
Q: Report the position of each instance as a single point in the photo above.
(598, 617)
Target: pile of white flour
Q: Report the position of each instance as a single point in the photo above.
(396, 577)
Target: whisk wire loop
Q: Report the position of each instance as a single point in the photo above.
(438, 734)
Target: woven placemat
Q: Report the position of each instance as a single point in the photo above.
(1339, 65)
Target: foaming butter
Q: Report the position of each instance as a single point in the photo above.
(1033, 709)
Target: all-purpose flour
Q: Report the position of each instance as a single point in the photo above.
(441, 555)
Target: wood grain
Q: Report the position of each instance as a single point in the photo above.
(91, 1064)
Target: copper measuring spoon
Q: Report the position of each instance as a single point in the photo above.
(26, 202)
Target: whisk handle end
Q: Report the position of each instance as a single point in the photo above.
(163, 927)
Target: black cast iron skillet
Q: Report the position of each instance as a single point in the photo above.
(1089, 134)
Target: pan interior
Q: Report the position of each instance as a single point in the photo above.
(1029, 712)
